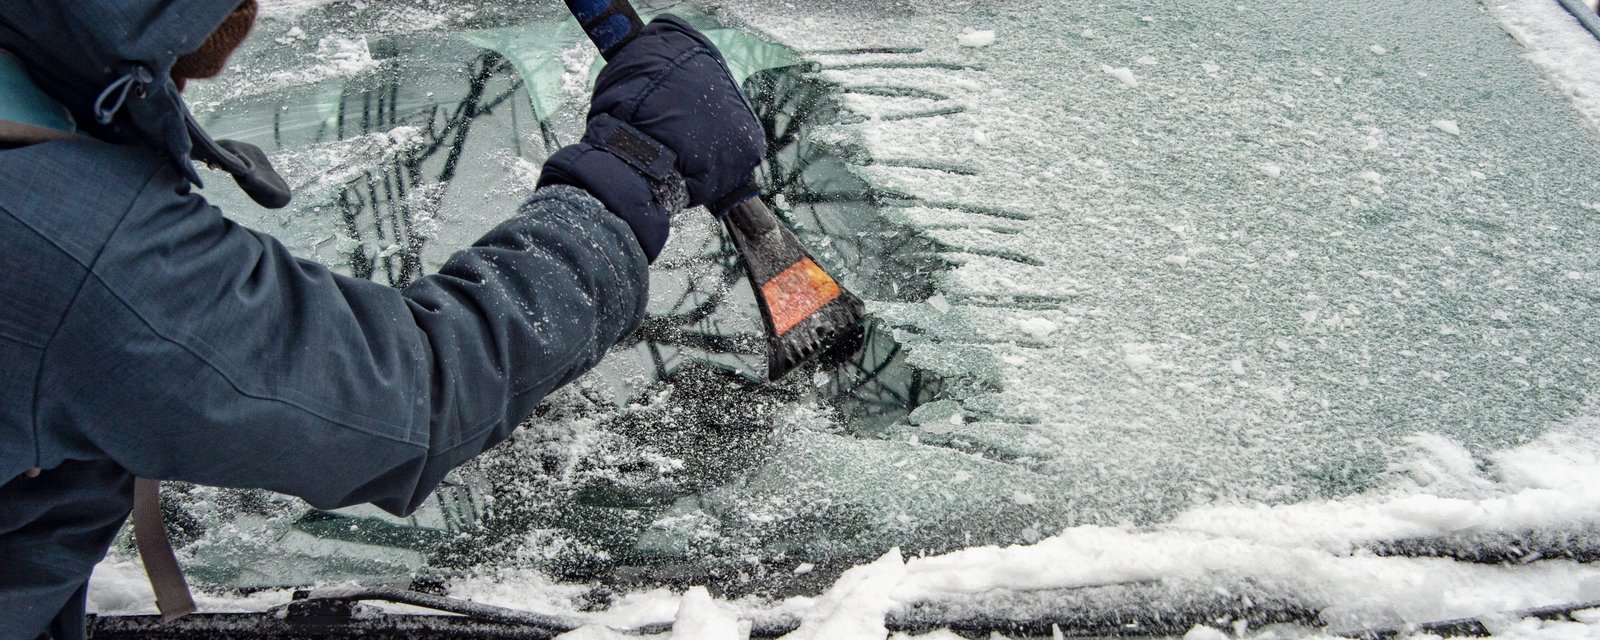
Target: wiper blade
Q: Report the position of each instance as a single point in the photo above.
(339, 613)
(334, 601)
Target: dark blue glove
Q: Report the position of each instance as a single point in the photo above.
(668, 128)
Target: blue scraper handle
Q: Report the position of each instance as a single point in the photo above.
(609, 23)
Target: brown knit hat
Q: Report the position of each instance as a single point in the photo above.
(212, 56)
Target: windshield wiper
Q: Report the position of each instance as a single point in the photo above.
(339, 613)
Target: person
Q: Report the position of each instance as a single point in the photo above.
(143, 334)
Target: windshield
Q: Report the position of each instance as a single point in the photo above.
(1132, 266)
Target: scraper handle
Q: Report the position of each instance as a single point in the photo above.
(609, 23)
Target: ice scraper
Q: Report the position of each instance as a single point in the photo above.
(806, 311)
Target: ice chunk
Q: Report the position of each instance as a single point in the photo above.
(1038, 328)
(1023, 498)
(940, 304)
(1148, 61)
(1378, 49)
(936, 414)
(1211, 67)
(294, 33)
(1121, 73)
(1448, 126)
(980, 137)
(976, 38)
(1271, 170)
(804, 568)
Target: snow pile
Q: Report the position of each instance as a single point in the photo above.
(1312, 552)
(1559, 45)
(119, 586)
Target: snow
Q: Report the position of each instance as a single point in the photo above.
(1201, 632)
(702, 618)
(856, 605)
(1559, 45)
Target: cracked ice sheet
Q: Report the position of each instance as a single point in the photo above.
(1235, 333)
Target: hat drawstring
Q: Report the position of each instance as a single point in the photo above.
(136, 78)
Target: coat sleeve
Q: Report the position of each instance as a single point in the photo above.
(202, 351)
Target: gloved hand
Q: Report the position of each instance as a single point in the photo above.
(668, 128)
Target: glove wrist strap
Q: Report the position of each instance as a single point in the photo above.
(644, 154)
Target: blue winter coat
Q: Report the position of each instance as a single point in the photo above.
(142, 333)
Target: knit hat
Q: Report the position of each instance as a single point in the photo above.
(212, 56)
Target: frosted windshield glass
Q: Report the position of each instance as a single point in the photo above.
(1257, 255)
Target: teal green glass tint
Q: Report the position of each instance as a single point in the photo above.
(1203, 252)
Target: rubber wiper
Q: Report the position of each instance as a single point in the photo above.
(314, 602)
(339, 613)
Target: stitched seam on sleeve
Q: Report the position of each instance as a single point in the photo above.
(44, 353)
(235, 385)
(208, 363)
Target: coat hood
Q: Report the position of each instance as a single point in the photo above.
(110, 62)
